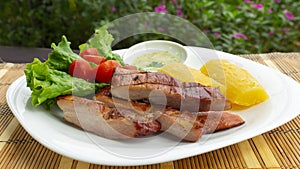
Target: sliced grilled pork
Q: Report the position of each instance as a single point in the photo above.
(215, 121)
(183, 124)
(161, 89)
(98, 118)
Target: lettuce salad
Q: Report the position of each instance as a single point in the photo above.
(50, 79)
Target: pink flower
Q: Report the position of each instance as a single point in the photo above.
(160, 29)
(288, 15)
(271, 33)
(217, 34)
(240, 35)
(258, 6)
(248, 1)
(206, 30)
(179, 12)
(270, 10)
(113, 9)
(161, 9)
(145, 25)
(277, 1)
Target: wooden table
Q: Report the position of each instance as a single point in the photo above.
(278, 148)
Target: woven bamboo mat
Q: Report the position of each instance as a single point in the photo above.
(278, 148)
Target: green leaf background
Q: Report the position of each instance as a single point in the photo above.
(38, 23)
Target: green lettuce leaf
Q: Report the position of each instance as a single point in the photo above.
(47, 83)
(62, 55)
(102, 41)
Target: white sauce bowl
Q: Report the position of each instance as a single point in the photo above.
(154, 46)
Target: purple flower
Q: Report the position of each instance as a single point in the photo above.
(113, 9)
(173, 2)
(277, 1)
(258, 6)
(248, 1)
(270, 10)
(160, 29)
(240, 35)
(161, 9)
(145, 25)
(179, 12)
(217, 34)
(271, 33)
(206, 30)
(288, 15)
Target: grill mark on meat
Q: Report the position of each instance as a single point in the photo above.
(162, 89)
(113, 114)
(135, 78)
(187, 85)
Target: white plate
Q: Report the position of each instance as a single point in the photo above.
(52, 131)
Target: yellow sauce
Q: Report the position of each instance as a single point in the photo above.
(153, 61)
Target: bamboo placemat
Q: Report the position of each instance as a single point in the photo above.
(278, 148)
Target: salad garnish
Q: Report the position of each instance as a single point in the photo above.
(52, 78)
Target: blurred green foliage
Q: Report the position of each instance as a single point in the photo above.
(232, 26)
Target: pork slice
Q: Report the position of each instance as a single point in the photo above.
(105, 96)
(214, 121)
(162, 89)
(192, 99)
(203, 98)
(182, 125)
(96, 117)
(124, 77)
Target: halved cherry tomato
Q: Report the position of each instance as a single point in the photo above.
(89, 51)
(83, 70)
(106, 70)
(94, 58)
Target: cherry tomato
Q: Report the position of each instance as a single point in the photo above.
(106, 70)
(94, 58)
(82, 69)
(89, 51)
